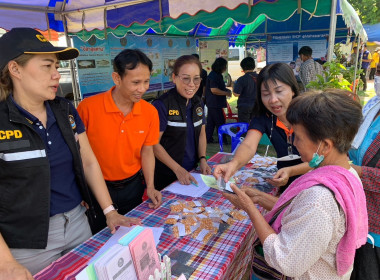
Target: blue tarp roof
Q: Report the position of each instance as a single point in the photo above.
(177, 17)
(373, 32)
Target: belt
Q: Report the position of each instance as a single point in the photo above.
(120, 184)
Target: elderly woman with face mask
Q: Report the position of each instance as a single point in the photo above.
(315, 226)
(365, 155)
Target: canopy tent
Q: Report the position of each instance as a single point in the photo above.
(234, 19)
(373, 32)
(240, 21)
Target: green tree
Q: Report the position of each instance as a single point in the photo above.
(368, 10)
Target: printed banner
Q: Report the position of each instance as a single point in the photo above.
(95, 61)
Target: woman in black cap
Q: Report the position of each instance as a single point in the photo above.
(45, 160)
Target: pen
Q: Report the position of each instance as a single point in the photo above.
(194, 184)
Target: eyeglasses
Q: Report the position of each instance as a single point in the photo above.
(186, 80)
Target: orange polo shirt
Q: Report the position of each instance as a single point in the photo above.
(117, 139)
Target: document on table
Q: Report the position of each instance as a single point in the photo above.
(190, 190)
(116, 264)
(122, 231)
(157, 231)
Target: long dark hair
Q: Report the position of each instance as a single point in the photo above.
(219, 65)
(272, 72)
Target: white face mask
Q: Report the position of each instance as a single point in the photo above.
(377, 85)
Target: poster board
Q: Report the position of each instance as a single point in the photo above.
(210, 50)
(95, 61)
(285, 47)
(171, 49)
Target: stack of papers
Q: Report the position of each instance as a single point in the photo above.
(116, 264)
(116, 260)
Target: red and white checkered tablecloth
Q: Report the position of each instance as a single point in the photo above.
(225, 256)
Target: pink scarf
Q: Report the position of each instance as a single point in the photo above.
(349, 193)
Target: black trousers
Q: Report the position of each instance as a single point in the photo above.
(215, 118)
(126, 194)
(245, 114)
(366, 263)
(364, 79)
(164, 179)
(372, 73)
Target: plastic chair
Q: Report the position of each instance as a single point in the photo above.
(240, 128)
(230, 115)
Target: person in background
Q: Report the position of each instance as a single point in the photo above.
(245, 90)
(314, 228)
(309, 68)
(365, 156)
(202, 87)
(353, 55)
(374, 62)
(45, 160)
(122, 129)
(292, 65)
(216, 93)
(276, 87)
(182, 127)
(366, 60)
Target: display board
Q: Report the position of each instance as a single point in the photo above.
(210, 50)
(95, 61)
(285, 47)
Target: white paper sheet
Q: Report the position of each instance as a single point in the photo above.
(82, 275)
(189, 190)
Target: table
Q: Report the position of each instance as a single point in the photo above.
(225, 256)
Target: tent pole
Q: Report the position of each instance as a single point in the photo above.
(356, 64)
(76, 93)
(196, 30)
(331, 42)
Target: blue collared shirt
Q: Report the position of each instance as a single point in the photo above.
(64, 192)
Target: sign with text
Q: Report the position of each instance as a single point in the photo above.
(95, 62)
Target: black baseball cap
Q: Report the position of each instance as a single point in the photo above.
(20, 41)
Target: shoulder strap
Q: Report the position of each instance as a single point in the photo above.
(253, 76)
(374, 160)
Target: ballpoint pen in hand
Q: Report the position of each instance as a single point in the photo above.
(194, 184)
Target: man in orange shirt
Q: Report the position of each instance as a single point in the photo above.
(122, 129)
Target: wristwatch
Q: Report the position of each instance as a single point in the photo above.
(110, 208)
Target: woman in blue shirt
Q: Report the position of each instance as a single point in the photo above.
(276, 87)
(216, 93)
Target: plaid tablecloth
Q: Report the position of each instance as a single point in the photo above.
(225, 256)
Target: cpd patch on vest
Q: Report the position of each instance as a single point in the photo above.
(173, 113)
(9, 134)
